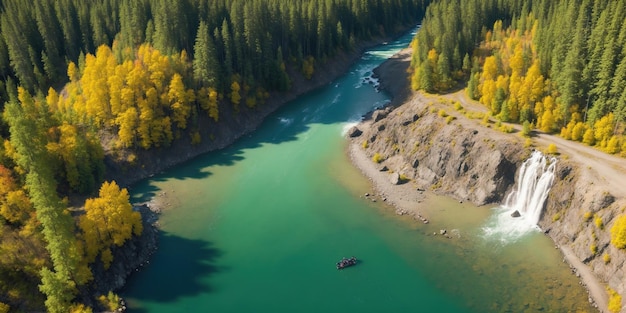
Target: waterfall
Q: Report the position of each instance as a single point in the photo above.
(534, 180)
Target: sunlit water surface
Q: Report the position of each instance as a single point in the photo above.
(258, 227)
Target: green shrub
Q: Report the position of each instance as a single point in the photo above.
(365, 144)
(588, 215)
(618, 232)
(607, 258)
(442, 113)
(593, 248)
(4, 308)
(556, 216)
(449, 119)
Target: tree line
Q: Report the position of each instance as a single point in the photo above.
(140, 71)
(559, 66)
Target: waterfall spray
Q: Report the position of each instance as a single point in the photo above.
(534, 180)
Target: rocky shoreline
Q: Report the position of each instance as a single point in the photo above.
(420, 137)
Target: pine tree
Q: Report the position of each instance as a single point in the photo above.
(206, 68)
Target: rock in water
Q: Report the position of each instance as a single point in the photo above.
(395, 178)
(516, 214)
(354, 132)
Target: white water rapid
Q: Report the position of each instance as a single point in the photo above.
(534, 180)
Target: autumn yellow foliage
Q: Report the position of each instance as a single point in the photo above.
(615, 301)
(618, 232)
(109, 220)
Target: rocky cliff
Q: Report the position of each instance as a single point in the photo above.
(579, 214)
(448, 146)
(450, 158)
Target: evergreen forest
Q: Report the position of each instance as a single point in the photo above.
(555, 66)
(140, 72)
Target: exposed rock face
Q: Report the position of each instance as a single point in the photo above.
(456, 159)
(354, 132)
(468, 161)
(580, 203)
(394, 178)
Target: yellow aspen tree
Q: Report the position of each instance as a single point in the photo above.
(488, 92)
(588, 137)
(15, 207)
(94, 84)
(566, 132)
(179, 101)
(547, 121)
(536, 80)
(603, 129)
(515, 83)
(109, 220)
(516, 61)
(52, 99)
(490, 69)
(127, 123)
(578, 131)
(146, 118)
(613, 145)
(116, 84)
(72, 72)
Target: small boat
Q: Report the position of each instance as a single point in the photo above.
(346, 263)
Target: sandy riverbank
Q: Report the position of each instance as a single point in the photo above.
(407, 199)
(596, 290)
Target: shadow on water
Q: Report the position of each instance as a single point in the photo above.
(196, 169)
(183, 272)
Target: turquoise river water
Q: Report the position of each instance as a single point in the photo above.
(258, 227)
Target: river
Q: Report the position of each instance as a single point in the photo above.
(258, 227)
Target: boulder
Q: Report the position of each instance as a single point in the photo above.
(354, 132)
(395, 179)
(384, 168)
(415, 163)
(379, 115)
(516, 214)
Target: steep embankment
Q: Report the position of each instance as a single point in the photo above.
(128, 167)
(456, 152)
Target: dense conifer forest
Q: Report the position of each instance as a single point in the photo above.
(555, 66)
(141, 71)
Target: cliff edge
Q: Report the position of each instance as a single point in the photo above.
(448, 145)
